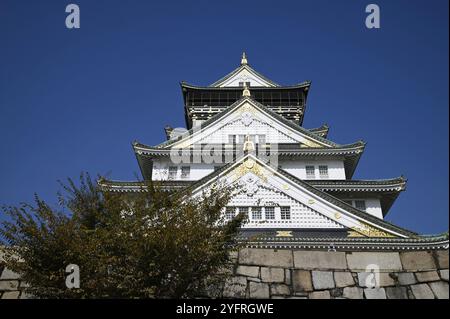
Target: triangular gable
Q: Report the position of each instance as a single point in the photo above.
(244, 74)
(331, 208)
(247, 116)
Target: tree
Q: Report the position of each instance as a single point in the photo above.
(148, 244)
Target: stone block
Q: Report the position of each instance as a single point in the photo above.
(9, 275)
(250, 271)
(280, 289)
(422, 291)
(272, 274)
(11, 295)
(427, 276)
(9, 285)
(287, 278)
(235, 287)
(343, 279)
(406, 278)
(440, 289)
(442, 259)
(371, 280)
(336, 292)
(362, 261)
(266, 257)
(323, 280)
(301, 280)
(397, 293)
(375, 293)
(444, 274)
(320, 295)
(353, 293)
(417, 260)
(318, 260)
(258, 290)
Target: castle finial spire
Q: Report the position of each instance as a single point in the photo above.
(246, 91)
(244, 59)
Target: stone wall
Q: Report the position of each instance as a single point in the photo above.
(268, 273)
(301, 274)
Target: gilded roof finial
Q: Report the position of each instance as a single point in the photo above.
(248, 144)
(244, 59)
(246, 91)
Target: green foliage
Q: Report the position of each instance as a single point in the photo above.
(148, 244)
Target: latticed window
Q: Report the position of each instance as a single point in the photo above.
(323, 171)
(360, 204)
(285, 212)
(269, 212)
(185, 171)
(261, 139)
(310, 171)
(243, 210)
(230, 212)
(256, 213)
(173, 172)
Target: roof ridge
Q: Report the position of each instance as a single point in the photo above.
(239, 68)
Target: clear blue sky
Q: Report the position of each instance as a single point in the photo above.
(74, 100)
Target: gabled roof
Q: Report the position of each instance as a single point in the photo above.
(275, 116)
(351, 152)
(321, 131)
(244, 67)
(373, 222)
(304, 84)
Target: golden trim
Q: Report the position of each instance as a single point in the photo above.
(249, 166)
(368, 231)
(284, 233)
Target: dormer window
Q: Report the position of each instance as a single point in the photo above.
(185, 172)
(323, 171)
(310, 172)
(173, 172)
(241, 84)
(256, 213)
(360, 204)
(285, 212)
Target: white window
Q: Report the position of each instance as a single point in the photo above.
(173, 172)
(323, 171)
(269, 212)
(261, 139)
(360, 204)
(232, 139)
(185, 172)
(256, 213)
(285, 212)
(230, 212)
(310, 172)
(241, 139)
